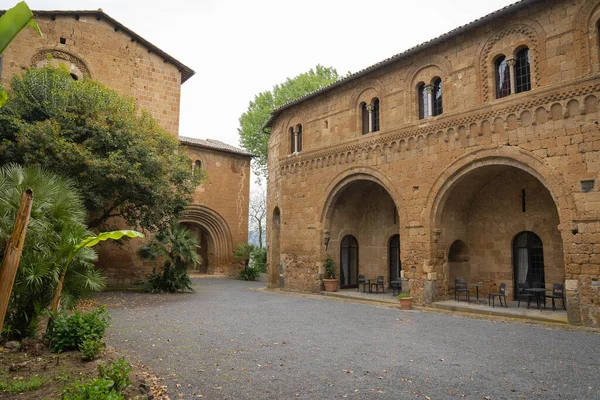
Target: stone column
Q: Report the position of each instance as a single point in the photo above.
(429, 89)
(296, 131)
(572, 297)
(511, 73)
(370, 110)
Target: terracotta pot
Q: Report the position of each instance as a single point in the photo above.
(330, 285)
(406, 303)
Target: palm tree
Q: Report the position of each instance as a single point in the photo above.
(178, 248)
(56, 224)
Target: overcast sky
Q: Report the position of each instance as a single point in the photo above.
(239, 48)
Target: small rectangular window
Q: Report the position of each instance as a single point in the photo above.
(63, 40)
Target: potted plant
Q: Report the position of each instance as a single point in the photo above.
(329, 277)
(405, 301)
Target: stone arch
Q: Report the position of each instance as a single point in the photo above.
(361, 203)
(507, 156)
(531, 34)
(218, 229)
(586, 35)
(75, 64)
(357, 174)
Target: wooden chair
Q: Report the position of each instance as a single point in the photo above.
(558, 292)
(378, 283)
(522, 294)
(460, 286)
(501, 295)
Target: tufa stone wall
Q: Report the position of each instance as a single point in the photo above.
(457, 176)
(219, 209)
(93, 48)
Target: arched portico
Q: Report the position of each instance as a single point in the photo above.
(481, 203)
(360, 204)
(213, 231)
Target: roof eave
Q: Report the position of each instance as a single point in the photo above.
(201, 146)
(186, 72)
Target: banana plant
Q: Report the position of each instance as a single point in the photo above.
(87, 242)
(11, 23)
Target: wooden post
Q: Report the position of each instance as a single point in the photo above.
(12, 254)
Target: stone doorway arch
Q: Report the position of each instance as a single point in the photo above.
(360, 204)
(481, 207)
(214, 233)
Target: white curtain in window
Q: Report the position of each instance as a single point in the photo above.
(345, 253)
(522, 265)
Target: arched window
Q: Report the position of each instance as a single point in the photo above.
(375, 116)
(502, 77)
(292, 141)
(522, 71)
(365, 118)
(423, 101)
(438, 108)
(198, 165)
(299, 138)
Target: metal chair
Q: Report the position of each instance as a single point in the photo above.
(361, 281)
(522, 294)
(501, 295)
(396, 287)
(460, 286)
(378, 283)
(558, 292)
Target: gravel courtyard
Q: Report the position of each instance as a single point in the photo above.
(228, 341)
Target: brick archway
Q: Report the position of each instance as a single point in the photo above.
(220, 242)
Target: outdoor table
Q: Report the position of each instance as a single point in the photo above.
(477, 286)
(539, 292)
(369, 280)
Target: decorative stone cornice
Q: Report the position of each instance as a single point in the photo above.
(469, 123)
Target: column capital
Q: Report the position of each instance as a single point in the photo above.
(370, 107)
(511, 61)
(429, 88)
(296, 130)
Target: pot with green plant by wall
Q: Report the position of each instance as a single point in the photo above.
(405, 301)
(329, 277)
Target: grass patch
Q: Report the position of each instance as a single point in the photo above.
(22, 385)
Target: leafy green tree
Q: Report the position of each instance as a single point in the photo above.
(178, 248)
(11, 23)
(56, 224)
(124, 164)
(252, 135)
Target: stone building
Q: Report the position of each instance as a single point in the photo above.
(475, 155)
(219, 212)
(93, 45)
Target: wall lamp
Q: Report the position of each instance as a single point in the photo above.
(327, 239)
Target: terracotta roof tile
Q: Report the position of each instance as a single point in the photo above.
(214, 145)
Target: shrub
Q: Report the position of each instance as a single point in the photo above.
(118, 372)
(90, 349)
(249, 274)
(177, 246)
(329, 268)
(69, 331)
(171, 280)
(259, 259)
(97, 389)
